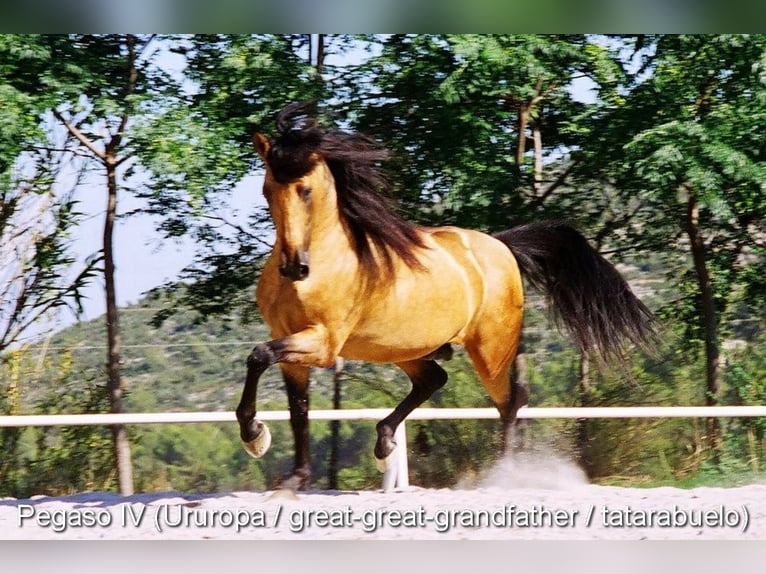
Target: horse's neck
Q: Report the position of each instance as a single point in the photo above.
(329, 233)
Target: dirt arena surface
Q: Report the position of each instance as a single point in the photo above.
(543, 501)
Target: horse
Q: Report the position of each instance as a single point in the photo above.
(349, 277)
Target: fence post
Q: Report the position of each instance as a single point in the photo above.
(402, 463)
(396, 474)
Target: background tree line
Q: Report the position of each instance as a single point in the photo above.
(660, 163)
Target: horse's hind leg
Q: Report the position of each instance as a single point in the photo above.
(426, 376)
(507, 395)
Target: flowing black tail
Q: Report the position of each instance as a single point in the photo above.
(586, 294)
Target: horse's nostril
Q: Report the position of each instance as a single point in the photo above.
(304, 270)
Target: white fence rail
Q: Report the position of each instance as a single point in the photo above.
(397, 474)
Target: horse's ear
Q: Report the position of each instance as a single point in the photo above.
(262, 145)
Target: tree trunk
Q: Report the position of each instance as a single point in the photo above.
(709, 322)
(523, 122)
(525, 114)
(119, 433)
(316, 52)
(538, 141)
(320, 54)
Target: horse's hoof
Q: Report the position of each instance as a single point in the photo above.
(295, 482)
(384, 448)
(284, 494)
(261, 443)
(383, 464)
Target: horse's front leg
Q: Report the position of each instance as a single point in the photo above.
(297, 385)
(254, 434)
(297, 353)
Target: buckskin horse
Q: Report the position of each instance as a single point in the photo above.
(349, 277)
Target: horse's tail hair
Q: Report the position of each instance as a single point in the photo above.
(585, 293)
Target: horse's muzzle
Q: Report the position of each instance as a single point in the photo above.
(295, 268)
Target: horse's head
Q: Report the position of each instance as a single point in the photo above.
(320, 181)
(298, 187)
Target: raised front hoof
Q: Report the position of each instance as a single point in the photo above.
(261, 441)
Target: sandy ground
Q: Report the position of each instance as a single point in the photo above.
(546, 500)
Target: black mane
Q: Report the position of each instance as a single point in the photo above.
(363, 201)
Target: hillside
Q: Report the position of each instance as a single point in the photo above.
(185, 364)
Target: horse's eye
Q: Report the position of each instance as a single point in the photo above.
(304, 192)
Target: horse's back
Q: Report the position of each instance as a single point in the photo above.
(417, 309)
(495, 265)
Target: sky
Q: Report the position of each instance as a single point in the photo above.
(143, 260)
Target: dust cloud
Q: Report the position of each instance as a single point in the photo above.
(535, 468)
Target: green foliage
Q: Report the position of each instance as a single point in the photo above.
(449, 108)
(690, 128)
(192, 458)
(37, 213)
(747, 386)
(58, 460)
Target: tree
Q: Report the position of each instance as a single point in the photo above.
(107, 92)
(36, 215)
(459, 113)
(38, 273)
(681, 148)
(98, 90)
